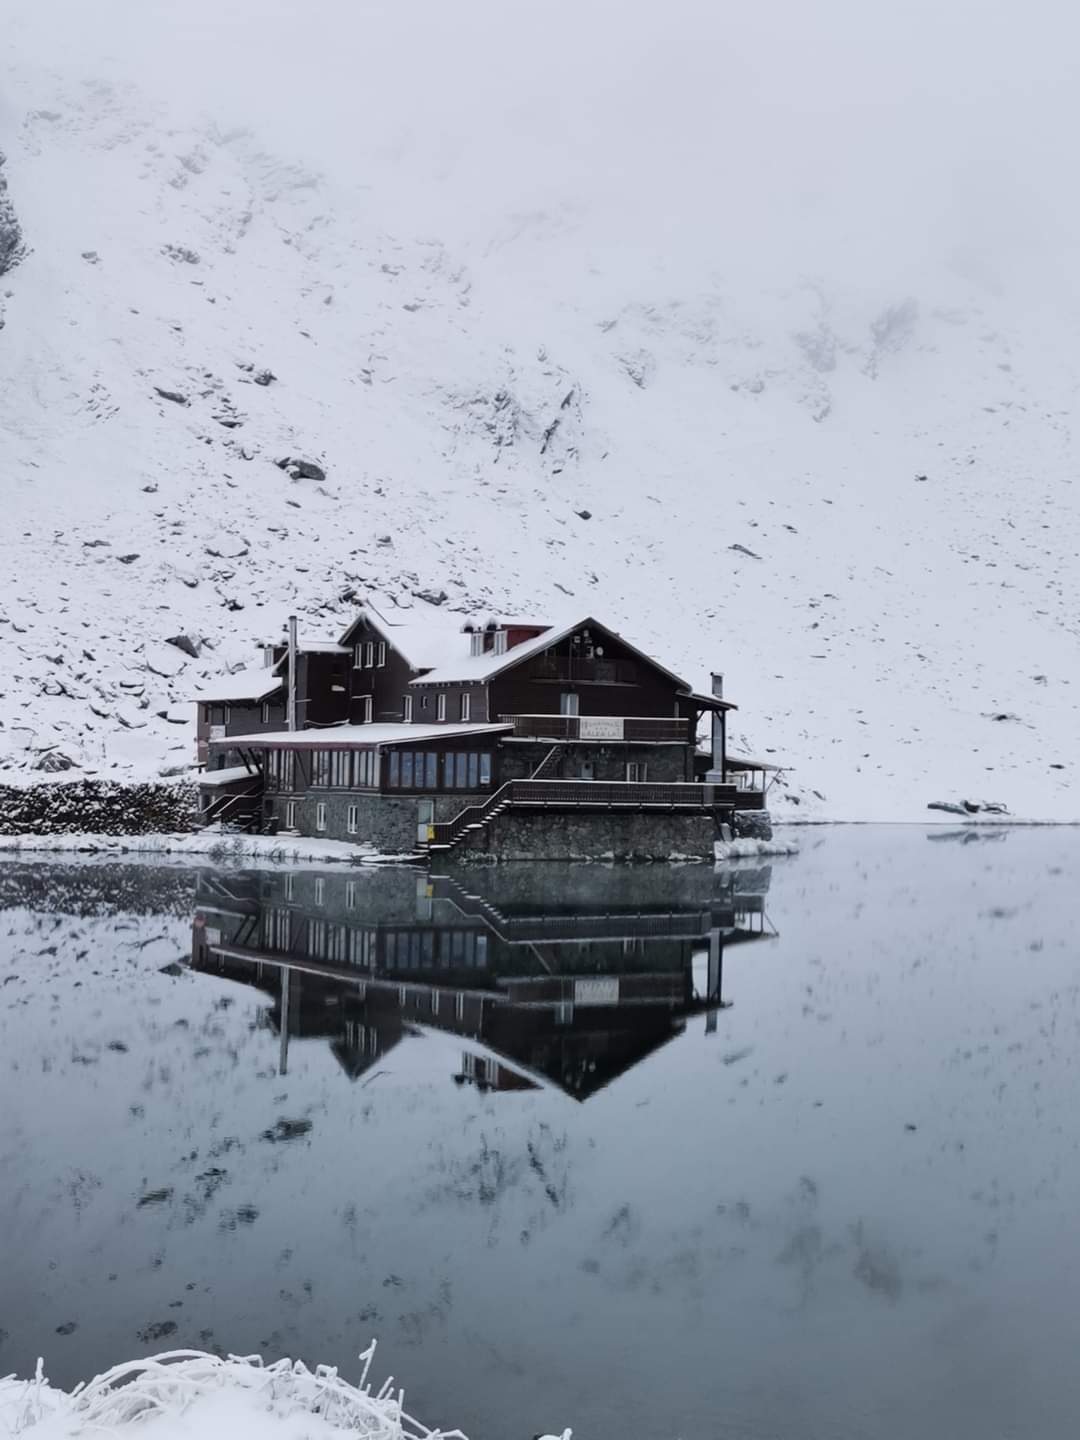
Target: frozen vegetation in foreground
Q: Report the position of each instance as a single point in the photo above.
(186, 1393)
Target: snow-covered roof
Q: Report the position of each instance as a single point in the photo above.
(227, 777)
(469, 668)
(255, 683)
(425, 642)
(335, 737)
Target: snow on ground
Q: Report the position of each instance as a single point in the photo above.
(799, 408)
(221, 846)
(186, 1393)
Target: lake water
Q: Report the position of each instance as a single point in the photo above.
(783, 1150)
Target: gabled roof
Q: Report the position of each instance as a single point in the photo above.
(255, 683)
(469, 668)
(424, 643)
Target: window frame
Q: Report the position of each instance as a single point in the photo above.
(440, 707)
(369, 654)
(264, 716)
(380, 661)
(290, 814)
(466, 707)
(352, 820)
(407, 709)
(320, 817)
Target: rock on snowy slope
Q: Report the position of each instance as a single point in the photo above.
(466, 389)
(11, 239)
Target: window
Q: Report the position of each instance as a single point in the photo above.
(320, 767)
(485, 769)
(459, 1006)
(369, 654)
(352, 824)
(366, 710)
(407, 769)
(290, 815)
(350, 904)
(431, 771)
(320, 815)
(440, 706)
(339, 769)
(466, 706)
(266, 712)
(474, 771)
(406, 709)
(382, 653)
(395, 769)
(358, 656)
(568, 703)
(288, 773)
(228, 713)
(320, 890)
(637, 770)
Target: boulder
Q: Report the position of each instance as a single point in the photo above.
(301, 469)
(189, 644)
(752, 825)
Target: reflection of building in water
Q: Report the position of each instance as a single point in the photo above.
(567, 977)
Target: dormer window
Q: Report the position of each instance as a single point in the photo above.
(476, 642)
(500, 642)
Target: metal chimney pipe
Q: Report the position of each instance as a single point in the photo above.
(716, 774)
(291, 722)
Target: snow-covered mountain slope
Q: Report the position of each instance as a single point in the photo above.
(849, 487)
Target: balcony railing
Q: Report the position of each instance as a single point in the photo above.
(659, 730)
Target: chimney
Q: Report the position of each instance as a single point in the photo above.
(716, 771)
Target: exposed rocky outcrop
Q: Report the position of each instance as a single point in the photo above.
(12, 247)
(97, 807)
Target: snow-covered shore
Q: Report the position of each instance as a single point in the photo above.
(214, 844)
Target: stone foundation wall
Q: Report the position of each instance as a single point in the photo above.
(386, 821)
(97, 807)
(516, 835)
(752, 825)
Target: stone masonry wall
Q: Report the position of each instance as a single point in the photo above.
(515, 835)
(97, 807)
(386, 821)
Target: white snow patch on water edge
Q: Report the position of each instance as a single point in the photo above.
(751, 849)
(185, 1393)
(279, 849)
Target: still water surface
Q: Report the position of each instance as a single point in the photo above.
(785, 1151)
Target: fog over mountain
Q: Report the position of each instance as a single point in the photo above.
(782, 297)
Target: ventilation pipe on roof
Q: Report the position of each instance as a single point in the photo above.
(291, 724)
(716, 773)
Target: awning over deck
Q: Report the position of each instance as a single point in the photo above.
(746, 762)
(358, 737)
(232, 776)
(707, 702)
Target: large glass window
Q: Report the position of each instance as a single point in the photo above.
(407, 769)
(485, 769)
(395, 769)
(320, 767)
(474, 771)
(431, 771)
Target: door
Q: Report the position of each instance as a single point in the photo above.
(425, 818)
(568, 703)
(585, 770)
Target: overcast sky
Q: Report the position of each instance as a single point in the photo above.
(846, 135)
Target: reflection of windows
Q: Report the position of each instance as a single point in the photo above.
(350, 892)
(290, 885)
(320, 890)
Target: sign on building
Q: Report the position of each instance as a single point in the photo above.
(600, 727)
(596, 992)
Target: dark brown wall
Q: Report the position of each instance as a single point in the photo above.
(387, 684)
(618, 684)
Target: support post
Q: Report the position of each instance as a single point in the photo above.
(716, 771)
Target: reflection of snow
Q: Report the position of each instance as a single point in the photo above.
(187, 1393)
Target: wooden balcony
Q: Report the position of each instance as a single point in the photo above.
(647, 729)
(585, 670)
